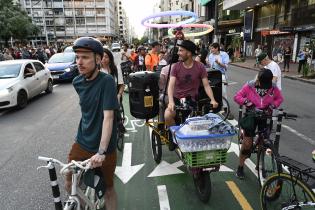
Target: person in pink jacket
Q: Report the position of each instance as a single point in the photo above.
(259, 94)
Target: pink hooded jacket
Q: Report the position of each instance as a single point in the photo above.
(248, 91)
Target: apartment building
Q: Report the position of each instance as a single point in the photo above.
(65, 20)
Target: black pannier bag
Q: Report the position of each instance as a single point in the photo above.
(144, 94)
(215, 81)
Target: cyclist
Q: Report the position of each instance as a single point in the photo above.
(259, 94)
(96, 136)
(108, 66)
(152, 58)
(185, 81)
(172, 59)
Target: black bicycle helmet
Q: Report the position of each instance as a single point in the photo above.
(89, 43)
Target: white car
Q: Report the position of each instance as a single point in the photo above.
(115, 47)
(21, 80)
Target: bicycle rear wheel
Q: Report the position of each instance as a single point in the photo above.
(156, 145)
(281, 191)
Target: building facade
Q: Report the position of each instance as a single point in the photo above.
(276, 24)
(64, 20)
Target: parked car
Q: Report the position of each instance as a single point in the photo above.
(61, 66)
(21, 80)
(68, 49)
(115, 47)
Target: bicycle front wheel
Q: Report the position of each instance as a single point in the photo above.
(266, 164)
(281, 191)
(225, 108)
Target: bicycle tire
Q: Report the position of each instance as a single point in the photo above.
(202, 184)
(156, 146)
(275, 188)
(120, 140)
(225, 111)
(266, 164)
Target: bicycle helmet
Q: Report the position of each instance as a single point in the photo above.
(89, 43)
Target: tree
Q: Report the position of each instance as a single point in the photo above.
(144, 39)
(14, 22)
(236, 45)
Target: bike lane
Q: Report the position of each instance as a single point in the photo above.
(142, 184)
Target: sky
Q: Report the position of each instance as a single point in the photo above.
(137, 10)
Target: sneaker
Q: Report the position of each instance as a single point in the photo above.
(240, 172)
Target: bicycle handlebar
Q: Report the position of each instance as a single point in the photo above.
(84, 165)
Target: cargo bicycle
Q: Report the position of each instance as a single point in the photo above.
(200, 154)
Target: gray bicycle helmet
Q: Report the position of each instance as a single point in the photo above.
(89, 43)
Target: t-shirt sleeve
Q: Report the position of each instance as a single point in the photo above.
(148, 60)
(110, 101)
(225, 59)
(174, 70)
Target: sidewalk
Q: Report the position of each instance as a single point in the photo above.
(293, 74)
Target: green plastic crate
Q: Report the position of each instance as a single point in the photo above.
(205, 158)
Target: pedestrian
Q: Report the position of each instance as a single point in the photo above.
(25, 53)
(258, 51)
(152, 58)
(41, 55)
(96, 136)
(219, 60)
(202, 57)
(287, 58)
(7, 55)
(302, 60)
(1, 56)
(264, 60)
(139, 61)
(126, 53)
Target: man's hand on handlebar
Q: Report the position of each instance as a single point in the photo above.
(171, 106)
(97, 160)
(214, 103)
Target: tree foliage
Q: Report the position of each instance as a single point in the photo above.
(15, 22)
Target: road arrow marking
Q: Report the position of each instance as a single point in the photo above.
(163, 198)
(125, 172)
(224, 168)
(164, 169)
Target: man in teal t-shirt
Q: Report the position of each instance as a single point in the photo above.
(96, 136)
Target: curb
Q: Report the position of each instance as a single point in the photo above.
(284, 76)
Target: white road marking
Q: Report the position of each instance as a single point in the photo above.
(163, 197)
(56, 85)
(165, 169)
(232, 83)
(125, 172)
(309, 140)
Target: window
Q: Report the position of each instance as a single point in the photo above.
(80, 21)
(38, 66)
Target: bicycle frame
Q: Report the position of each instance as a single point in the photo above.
(74, 200)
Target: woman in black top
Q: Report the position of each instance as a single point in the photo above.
(287, 58)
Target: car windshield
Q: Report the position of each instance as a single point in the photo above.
(9, 70)
(115, 45)
(68, 49)
(62, 58)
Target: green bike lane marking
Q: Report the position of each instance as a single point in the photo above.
(176, 191)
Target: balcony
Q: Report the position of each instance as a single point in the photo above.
(265, 23)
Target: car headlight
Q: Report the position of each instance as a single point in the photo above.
(67, 70)
(6, 91)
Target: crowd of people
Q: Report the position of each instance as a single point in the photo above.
(41, 53)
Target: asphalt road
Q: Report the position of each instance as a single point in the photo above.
(47, 127)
